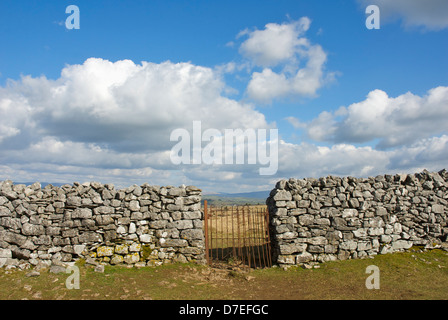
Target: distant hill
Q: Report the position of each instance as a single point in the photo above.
(220, 199)
(256, 195)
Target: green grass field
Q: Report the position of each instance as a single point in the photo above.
(409, 275)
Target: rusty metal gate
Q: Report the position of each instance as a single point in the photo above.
(237, 235)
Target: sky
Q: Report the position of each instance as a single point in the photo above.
(101, 101)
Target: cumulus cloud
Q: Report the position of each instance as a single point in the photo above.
(393, 122)
(276, 43)
(311, 160)
(111, 122)
(429, 14)
(122, 105)
(284, 47)
(107, 115)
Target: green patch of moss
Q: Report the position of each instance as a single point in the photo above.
(146, 252)
(80, 262)
(416, 248)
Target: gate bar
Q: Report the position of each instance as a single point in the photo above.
(206, 232)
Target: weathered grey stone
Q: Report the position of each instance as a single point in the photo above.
(350, 245)
(102, 220)
(287, 235)
(104, 251)
(282, 195)
(82, 213)
(103, 210)
(375, 231)
(121, 229)
(174, 243)
(381, 211)
(317, 240)
(176, 192)
(116, 259)
(183, 224)
(33, 273)
(134, 205)
(135, 247)
(329, 248)
(106, 194)
(70, 233)
(339, 222)
(73, 201)
(3, 200)
(303, 257)
(315, 249)
(121, 249)
(158, 224)
(348, 213)
(57, 269)
(401, 244)
(29, 229)
(90, 237)
(306, 219)
(286, 259)
(437, 208)
(132, 258)
(5, 212)
(322, 221)
(303, 203)
(191, 215)
(99, 268)
(191, 234)
(333, 236)
(292, 248)
(145, 238)
(5, 253)
(174, 207)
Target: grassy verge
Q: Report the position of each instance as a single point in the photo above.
(409, 275)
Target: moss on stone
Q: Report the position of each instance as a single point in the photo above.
(146, 252)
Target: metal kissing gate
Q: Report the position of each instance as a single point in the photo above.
(238, 235)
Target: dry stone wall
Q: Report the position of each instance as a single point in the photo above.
(333, 218)
(139, 225)
(311, 220)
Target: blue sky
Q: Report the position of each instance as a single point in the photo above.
(58, 122)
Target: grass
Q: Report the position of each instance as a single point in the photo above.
(407, 275)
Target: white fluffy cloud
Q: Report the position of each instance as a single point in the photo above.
(121, 105)
(429, 14)
(276, 43)
(112, 116)
(284, 47)
(310, 160)
(393, 122)
(111, 122)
